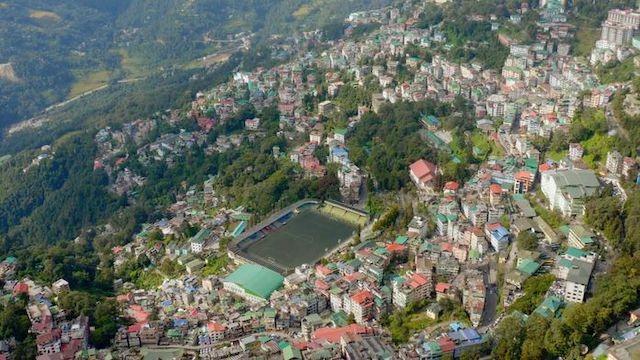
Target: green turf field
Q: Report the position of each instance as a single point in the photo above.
(304, 239)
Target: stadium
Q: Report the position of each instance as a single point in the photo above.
(301, 233)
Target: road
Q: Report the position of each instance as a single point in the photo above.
(491, 298)
(614, 124)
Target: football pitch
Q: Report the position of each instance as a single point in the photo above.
(306, 238)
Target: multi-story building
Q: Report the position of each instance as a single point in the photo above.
(412, 288)
(575, 151)
(567, 190)
(577, 281)
(628, 167)
(620, 27)
(359, 304)
(614, 162)
(423, 174)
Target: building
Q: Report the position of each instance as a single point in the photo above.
(252, 124)
(620, 27)
(423, 174)
(523, 182)
(60, 286)
(626, 350)
(576, 151)
(567, 189)
(614, 162)
(326, 107)
(579, 237)
(577, 281)
(499, 238)
(199, 240)
(340, 135)
(411, 288)
(628, 167)
(360, 305)
(357, 347)
(253, 282)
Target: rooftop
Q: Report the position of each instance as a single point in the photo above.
(580, 272)
(256, 279)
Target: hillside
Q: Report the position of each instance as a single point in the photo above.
(62, 49)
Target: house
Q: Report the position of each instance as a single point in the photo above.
(549, 307)
(523, 182)
(199, 240)
(252, 124)
(60, 286)
(339, 135)
(326, 107)
(423, 174)
(365, 347)
(634, 317)
(568, 189)
(575, 151)
(216, 331)
(194, 266)
(499, 238)
(433, 311)
(614, 162)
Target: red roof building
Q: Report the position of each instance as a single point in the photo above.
(423, 174)
(333, 335)
(20, 288)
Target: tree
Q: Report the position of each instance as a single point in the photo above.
(532, 347)
(527, 241)
(106, 324)
(509, 336)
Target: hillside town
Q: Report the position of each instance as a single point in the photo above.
(435, 287)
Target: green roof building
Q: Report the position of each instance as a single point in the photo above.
(549, 307)
(528, 266)
(253, 282)
(290, 353)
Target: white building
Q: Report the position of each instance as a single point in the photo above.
(567, 189)
(578, 281)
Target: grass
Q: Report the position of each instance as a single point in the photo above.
(557, 155)
(148, 279)
(487, 146)
(44, 15)
(585, 40)
(302, 12)
(617, 71)
(216, 266)
(132, 66)
(198, 63)
(306, 237)
(4, 159)
(596, 149)
(89, 82)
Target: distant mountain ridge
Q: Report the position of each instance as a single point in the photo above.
(57, 45)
